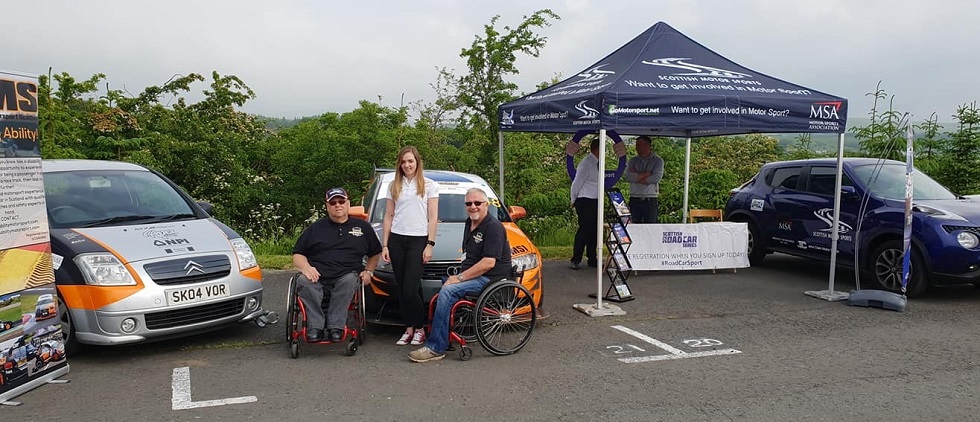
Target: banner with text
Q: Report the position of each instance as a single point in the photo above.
(700, 246)
(32, 348)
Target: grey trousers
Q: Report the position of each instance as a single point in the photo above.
(341, 292)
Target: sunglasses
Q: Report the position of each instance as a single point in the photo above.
(337, 202)
(476, 203)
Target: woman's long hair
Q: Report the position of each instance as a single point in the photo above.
(396, 186)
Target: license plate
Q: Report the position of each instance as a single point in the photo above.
(196, 294)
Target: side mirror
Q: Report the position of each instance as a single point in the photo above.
(846, 191)
(358, 212)
(206, 206)
(517, 212)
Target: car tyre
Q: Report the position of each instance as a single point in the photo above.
(886, 269)
(72, 346)
(756, 246)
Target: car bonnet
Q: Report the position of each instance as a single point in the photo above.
(967, 208)
(140, 242)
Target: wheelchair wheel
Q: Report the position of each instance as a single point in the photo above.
(292, 310)
(463, 322)
(361, 319)
(357, 317)
(351, 347)
(465, 353)
(294, 349)
(505, 316)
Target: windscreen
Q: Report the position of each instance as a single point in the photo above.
(890, 183)
(90, 198)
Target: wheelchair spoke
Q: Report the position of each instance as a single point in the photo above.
(505, 318)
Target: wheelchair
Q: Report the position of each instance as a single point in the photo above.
(500, 317)
(355, 332)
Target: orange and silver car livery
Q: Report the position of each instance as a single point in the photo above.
(137, 259)
(381, 301)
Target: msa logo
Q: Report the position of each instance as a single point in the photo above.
(588, 113)
(18, 96)
(696, 69)
(595, 74)
(826, 110)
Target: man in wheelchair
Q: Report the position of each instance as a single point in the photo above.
(330, 254)
(486, 258)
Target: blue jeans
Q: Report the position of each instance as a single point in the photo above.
(438, 340)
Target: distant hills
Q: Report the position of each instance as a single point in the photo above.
(827, 142)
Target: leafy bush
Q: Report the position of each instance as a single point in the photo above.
(550, 230)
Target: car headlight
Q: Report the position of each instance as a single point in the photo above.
(967, 240)
(104, 269)
(246, 259)
(525, 262)
(937, 213)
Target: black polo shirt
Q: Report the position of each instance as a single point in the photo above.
(335, 249)
(489, 239)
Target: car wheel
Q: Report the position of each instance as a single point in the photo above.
(757, 246)
(886, 269)
(72, 346)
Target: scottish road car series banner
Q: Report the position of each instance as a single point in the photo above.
(32, 347)
(700, 246)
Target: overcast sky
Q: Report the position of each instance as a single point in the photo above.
(304, 58)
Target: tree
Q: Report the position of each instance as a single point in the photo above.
(928, 146)
(961, 161)
(884, 137)
(802, 149)
(742, 155)
(490, 59)
(63, 113)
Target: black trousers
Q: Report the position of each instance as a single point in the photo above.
(588, 223)
(406, 262)
(644, 210)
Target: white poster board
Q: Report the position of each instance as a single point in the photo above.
(698, 246)
(32, 345)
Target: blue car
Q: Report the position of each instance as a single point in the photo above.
(789, 207)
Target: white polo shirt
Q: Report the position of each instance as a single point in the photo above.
(411, 210)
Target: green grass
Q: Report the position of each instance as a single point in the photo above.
(275, 262)
(555, 253)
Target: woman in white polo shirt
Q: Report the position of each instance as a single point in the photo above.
(411, 216)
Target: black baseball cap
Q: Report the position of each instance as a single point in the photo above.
(336, 192)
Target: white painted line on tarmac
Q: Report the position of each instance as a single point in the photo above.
(181, 399)
(675, 353)
(684, 356)
(651, 340)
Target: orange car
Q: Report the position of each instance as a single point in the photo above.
(46, 307)
(381, 299)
